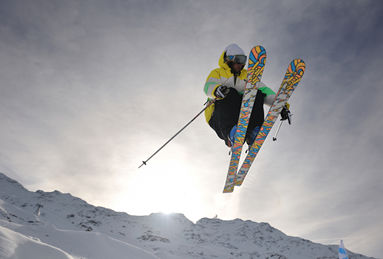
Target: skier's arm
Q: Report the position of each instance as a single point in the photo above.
(269, 99)
(212, 82)
(270, 94)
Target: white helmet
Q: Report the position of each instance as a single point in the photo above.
(234, 49)
(234, 53)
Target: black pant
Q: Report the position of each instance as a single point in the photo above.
(226, 113)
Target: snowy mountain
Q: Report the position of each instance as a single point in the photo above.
(56, 225)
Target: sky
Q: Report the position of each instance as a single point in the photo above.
(90, 89)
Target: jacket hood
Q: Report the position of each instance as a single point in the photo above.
(221, 61)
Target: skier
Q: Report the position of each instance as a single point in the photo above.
(227, 84)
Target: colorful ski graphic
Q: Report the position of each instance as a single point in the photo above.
(256, 64)
(292, 77)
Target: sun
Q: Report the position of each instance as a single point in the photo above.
(166, 211)
(167, 187)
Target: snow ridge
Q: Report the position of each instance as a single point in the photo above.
(57, 225)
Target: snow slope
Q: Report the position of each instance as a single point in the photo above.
(15, 245)
(56, 225)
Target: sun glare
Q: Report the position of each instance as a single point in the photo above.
(169, 187)
(166, 211)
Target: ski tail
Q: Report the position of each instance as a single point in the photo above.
(291, 80)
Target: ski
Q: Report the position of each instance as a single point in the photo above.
(291, 80)
(256, 64)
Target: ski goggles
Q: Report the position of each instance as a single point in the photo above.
(238, 59)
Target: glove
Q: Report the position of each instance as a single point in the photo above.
(221, 91)
(287, 106)
(286, 114)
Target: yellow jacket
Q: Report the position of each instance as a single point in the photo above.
(224, 76)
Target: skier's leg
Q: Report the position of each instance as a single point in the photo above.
(256, 118)
(226, 113)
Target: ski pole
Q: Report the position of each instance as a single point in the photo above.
(276, 133)
(208, 104)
